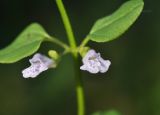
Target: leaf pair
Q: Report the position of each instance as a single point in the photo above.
(104, 30)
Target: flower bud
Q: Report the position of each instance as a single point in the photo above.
(53, 54)
(83, 51)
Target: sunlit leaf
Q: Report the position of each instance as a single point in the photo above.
(112, 26)
(24, 45)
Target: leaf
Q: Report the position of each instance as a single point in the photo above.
(112, 26)
(24, 45)
(111, 112)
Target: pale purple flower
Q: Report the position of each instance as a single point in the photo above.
(39, 63)
(93, 63)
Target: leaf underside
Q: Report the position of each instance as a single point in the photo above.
(24, 45)
(112, 26)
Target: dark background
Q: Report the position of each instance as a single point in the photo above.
(131, 86)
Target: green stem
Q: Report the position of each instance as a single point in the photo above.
(66, 23)
(72, 42)
(84, 42)
(79, 88)
(58, 42)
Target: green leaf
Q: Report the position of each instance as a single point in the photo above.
(111, 112)
(24, 45)
(112, 26)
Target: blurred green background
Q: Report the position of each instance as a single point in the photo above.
(131, 86)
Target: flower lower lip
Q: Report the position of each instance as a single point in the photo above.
(94, 63)
(39, 63)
